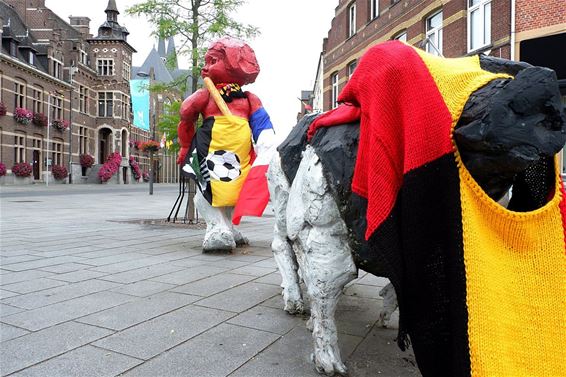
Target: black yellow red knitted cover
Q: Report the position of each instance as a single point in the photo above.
(481, 289)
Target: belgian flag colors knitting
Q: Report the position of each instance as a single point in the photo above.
(481, 289)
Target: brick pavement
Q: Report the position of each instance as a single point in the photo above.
(87, 292)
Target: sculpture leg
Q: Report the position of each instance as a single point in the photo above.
(324, 256)
(239, 238)
(282, 251)
(389, 304)
(218, 235)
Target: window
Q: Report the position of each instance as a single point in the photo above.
(434, 34)
(126, 71)
(125, 106)
(401, 37)
(20, 148)
(334, 101)
(20, 94)
(31, 58)
(351, 20)
(83, 57)
(105, 104)
(479, 24)
(56, 68)
(373, 9)
(57, 152)
(13, 49)
(56, 108)
(83, 140)
(351, 69)
(105, 67)
(83, 99)
(37, 99)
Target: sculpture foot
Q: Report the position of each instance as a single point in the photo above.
(325, 362)
(239, 238)
(294, 306)
(218, 241)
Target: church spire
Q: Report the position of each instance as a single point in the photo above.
(112, 11)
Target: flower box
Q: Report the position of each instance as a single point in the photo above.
(23, 116)
(60, 124)
(39, 119)
(2, 109)
(150, 146)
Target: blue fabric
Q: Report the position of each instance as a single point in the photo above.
(260, 121)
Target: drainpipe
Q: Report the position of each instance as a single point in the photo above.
(512, 30)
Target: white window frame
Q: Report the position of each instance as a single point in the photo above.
(352, 20)
(334, 99)
(402, 36)
(57, 68)
(57, 152)
(83, 99)
(20, 93)
(19, 147)
(37, 99)
(434, 34)
(105, 66)
(351, 68)
(484, 23)
(126, 71)
(83, 57)
(56, 108)
(106, 101)
(373, 9)
(83, 140)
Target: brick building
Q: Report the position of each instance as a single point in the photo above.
(532, 31)
(51, 67)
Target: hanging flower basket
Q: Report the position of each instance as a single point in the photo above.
(2, 109)
(60, 124)
(23, 116)
(150, 146)
(110, 167)
(135, 168)
(39, 119)
(2, 169)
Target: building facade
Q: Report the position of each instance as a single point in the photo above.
(75, 85)
(531, 31)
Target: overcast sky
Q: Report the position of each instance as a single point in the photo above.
(287, 49)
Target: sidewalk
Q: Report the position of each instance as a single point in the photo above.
(88, 290)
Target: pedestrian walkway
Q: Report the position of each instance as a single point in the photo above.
(89, 289)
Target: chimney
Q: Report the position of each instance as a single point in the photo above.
(82, 24)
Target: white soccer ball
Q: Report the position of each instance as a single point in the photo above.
(223, 165)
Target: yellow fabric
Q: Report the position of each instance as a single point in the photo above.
(457, 79)
(516, 285)
(230, 133)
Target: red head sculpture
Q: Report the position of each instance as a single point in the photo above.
(230, 60)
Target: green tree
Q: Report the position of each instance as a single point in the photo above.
(194, 22)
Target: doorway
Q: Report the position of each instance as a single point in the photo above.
(36, 164)
(104, 144)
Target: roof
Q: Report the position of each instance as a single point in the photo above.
(154, 61)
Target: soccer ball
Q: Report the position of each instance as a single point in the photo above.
(223, 165)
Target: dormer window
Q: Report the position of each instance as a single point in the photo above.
(13, 48)
(31, 58)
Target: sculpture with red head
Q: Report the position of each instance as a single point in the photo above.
(230, 60)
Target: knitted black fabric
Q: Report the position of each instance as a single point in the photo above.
(421, 246)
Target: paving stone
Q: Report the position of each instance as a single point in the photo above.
(16, 277)
(253, 271)
(361, 290)
(268, 319)
(4, 261)
(143, 288)
(5, 294)
(273, 279)
(266, 263)
(127, 265)
(140, 310)
(216, 352)
(8, 332)
(33, 285)
(290, 356)
(370, 279)
(212, 285)
(46, 316)
(45, 344)
(6, 310)
(240, 298)
(77, 276)
(188, 275)
(86, 361)
(43, 262)
(67, 267)
(117, 258)
(189, 262)
(275, 302)
(144, 273)
(166, 331)
(211, 257)
(227, 263)
(378, 355)
(356, 316)
(58, 294)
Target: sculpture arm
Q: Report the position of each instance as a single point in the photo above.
(190, 110)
